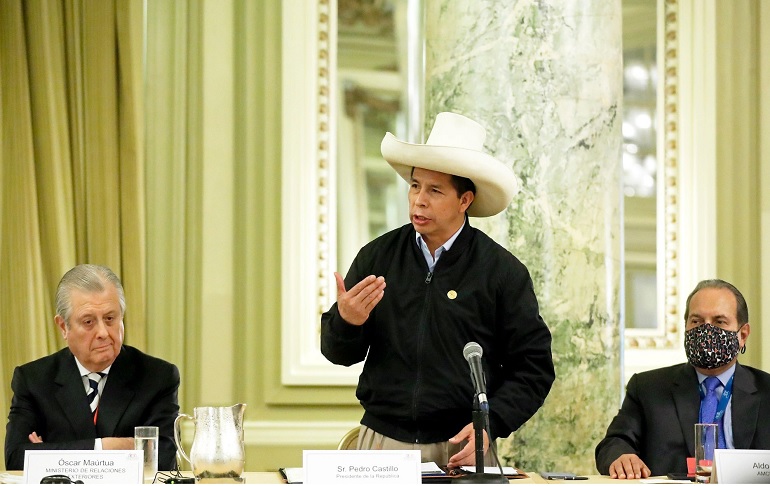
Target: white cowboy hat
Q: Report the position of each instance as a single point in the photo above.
(456, 146)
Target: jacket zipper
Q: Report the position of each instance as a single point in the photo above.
(420, 337)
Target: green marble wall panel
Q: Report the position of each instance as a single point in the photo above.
(545, 79)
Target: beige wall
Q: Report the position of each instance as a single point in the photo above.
(214, 169)
(742, 189)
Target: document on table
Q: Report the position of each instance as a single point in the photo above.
(431, 469)
(507, 470)
(292, 475)
(664, 480)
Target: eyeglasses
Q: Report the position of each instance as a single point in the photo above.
(59, 479)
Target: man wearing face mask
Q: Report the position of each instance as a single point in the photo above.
(653, 433)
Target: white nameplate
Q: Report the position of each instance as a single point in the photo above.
(361, 467)
(91, 467)
(742, 466)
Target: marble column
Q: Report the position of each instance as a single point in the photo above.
(545, 79)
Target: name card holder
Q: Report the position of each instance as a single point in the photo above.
(742, 466)
(91, 467)
(361, 467)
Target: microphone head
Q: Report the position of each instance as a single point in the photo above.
(471, 350)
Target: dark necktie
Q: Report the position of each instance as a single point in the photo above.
(708, 408)
(93, 389)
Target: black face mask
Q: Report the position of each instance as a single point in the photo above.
(710, 347)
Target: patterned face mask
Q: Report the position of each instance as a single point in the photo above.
(710, 347)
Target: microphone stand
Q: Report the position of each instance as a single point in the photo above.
(479, 424)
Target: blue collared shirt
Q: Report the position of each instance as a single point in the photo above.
(724, 377)
(430, 259)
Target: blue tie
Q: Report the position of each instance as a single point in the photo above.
(708, 408)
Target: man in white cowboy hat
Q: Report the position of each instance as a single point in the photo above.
(448, 284)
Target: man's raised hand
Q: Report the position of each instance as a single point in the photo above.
(356, 304)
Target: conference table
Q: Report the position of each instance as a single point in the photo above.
(273, 477)
(533, 478)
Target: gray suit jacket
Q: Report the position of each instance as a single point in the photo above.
(656, 420)
(49, 398)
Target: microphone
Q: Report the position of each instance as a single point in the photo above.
(472, 352)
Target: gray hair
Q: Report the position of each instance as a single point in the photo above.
(742, 310)
(87, 278)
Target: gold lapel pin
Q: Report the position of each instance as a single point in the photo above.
(452, 295)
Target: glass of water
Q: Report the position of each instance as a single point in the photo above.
(146, 440)
(705, 444)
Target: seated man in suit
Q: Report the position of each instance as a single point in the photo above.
(653, 433)
(93, 393)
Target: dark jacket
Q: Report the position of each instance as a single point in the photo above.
(416, 385)
(49, 398)
(657, 418)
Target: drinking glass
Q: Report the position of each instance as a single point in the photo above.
(705, 443)
(146, 440)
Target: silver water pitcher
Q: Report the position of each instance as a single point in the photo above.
(217, 447)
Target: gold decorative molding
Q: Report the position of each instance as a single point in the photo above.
(308, 192)
(667, 335)
(671, 314)
(325, 152)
